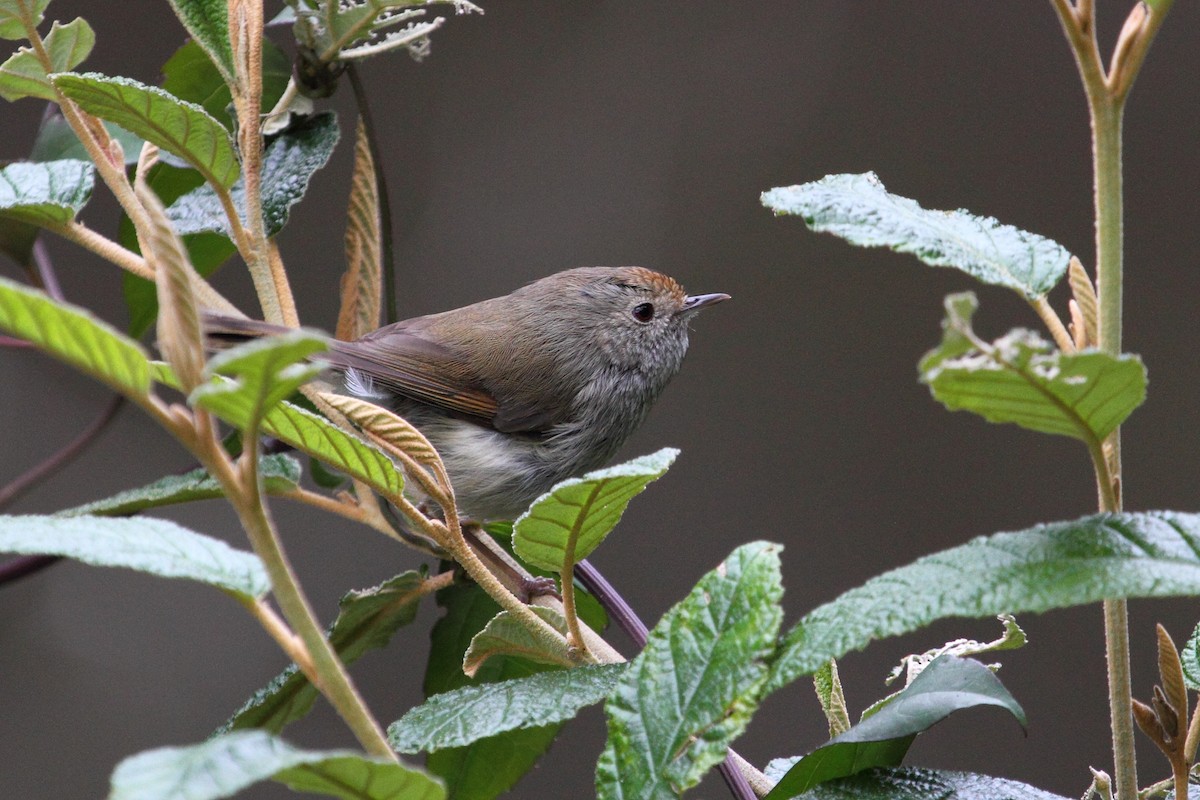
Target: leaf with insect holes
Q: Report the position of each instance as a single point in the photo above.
(224, 765)
(860, 210)
(23, 75)
(1023, 379)
(463, 716)
(367, 619)
(579, 513)
(156, 546)
(160, 118)
(1050, 566)
(74, 337)
(46, 193)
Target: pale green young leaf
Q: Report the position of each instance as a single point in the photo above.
(289, 162)
(1023, 379)
(1061, 564)
(367, 619)
(23, 75)
(47, 193)
(156, 115)
(265, 371)
(208, 23)
(15, 13)
(580, 512)
(156, 546)
(225, 765)
(463, 716)
(505, 635)
(860, 210)
(280, 473)
(692, 689)
(75, 337)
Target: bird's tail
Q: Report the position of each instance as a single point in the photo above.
(222, 331)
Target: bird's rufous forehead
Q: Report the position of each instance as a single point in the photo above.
(655, 281)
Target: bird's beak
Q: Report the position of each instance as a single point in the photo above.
(695, 302)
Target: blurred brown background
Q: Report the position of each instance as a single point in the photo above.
(547, 135)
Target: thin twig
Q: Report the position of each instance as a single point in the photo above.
(23, 566)
(47, 277)
(1053, 324)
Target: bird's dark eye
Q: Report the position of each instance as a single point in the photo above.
(643, 312)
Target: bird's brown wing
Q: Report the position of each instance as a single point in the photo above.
(418, 369)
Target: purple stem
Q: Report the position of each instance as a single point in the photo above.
(19, 344)
(17, 568)
(629, 622)
(45, 270)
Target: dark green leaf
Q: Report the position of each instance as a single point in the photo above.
(154, 114)
(946, 685)
(16, 240)
(1190, 656)
(208, 23)
(910, 783)
(224, 765)
(156, 546)
(190, 75)
(12, 12)
(49, 193)
(1023, 379)
(583, 510)
(1050, 566)
(280, 473)
(466, 715)
(367, 620)
(693, 688)
(67, 45)
(860, 210)
(505, 635)
(288, 164)
(489, 767)
(55, 140)
(73, 336)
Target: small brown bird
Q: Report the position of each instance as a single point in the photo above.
(522, 391)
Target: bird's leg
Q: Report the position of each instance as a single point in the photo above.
(510, 573)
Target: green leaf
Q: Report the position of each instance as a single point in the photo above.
(73, 336)
(182, 128)
(367, 619)
(23, 75)
(828, 686)
(947, 685)
(1045, 567)
(692, 689)
(489, 767)
(156, 546)
(466, 715)
(208, 23)
(190, 75)
(50, 193)
(55, 140)
(505, 635)
(289, 162)
(1190, 656)
(280, 473)
(910, 783)
(1023, 379)
(12, 12)
(858, 209)
(266, 371)
(224, 765)
(580, 512)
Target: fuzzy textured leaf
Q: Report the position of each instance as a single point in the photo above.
(75, 337)
(156, 546)
(388, 426)
(489, 767)
(280, 473)
(947, 685)
(23, 75)
(208, 23)
(911, 783)
(860, 210)
(56, 141)
(1061, 564)
(289, 162)
(466, 715)
(1190, 656)
(190, 75)
(367, 619)
(12, 12)
(362, 283)
(265, 371)
(692, 689)
(46, 193)
(156, 115)
(225, 765)
(580, 512)
(1023, 379)
(505, 635)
